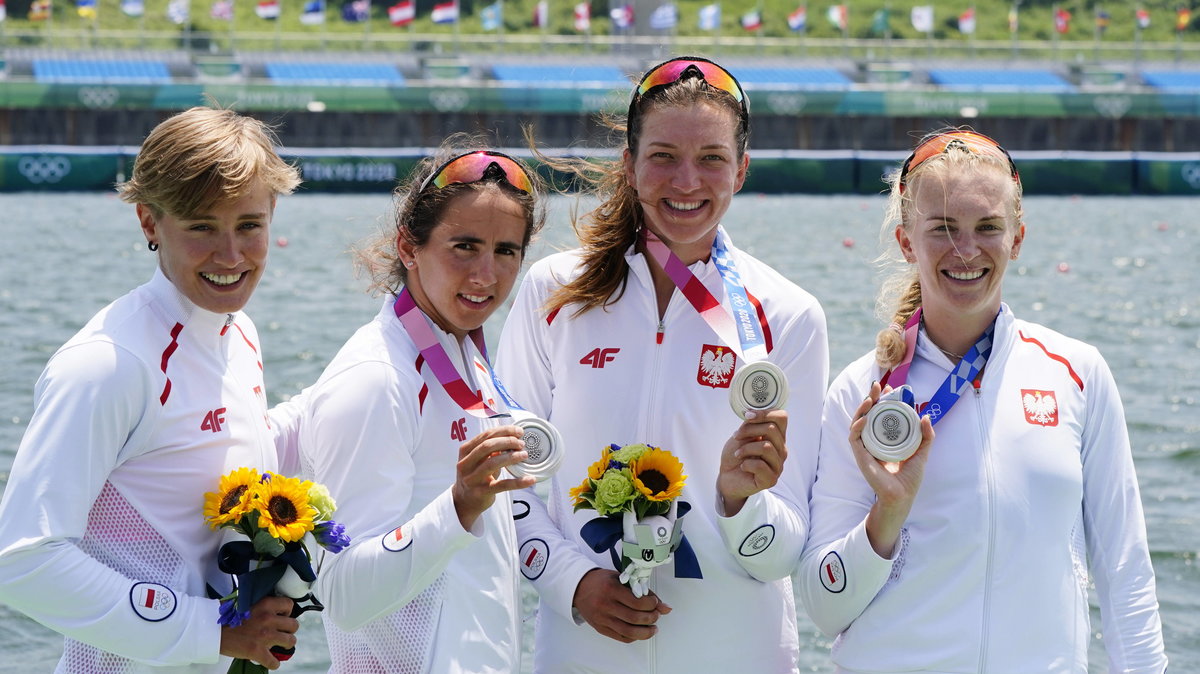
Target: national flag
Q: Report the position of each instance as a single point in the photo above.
(1014, 21)
(445, 12)
(583, 17)
(314, 13)
(86, 9)
(356, 11)
(798, 20)
(966, 22)
(267, 9)
(622, 17)
(1183, 18)
(3, 11)
(134, 8)
(752, 20)
(402, 13)
(1102, 19)
(1062, 20)
(221, 10)
(837, 15)
(664, 17)
(922, 18)
(710, 17)
(492, 16)
(39, 10)
(541, 14)
(179, 11)
(879, 21)
(1142, 17)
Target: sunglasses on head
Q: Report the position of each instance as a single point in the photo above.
(476, 166)
(684, 67)
(969, 141)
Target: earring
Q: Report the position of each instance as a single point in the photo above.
(408, 264)
(152, 246)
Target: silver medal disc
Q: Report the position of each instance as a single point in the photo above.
(893, 430)
(542, 442)
(758, 386)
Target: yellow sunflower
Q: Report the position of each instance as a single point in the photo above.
(596, 470)
(232, 498)
(576, 493)
(658, 475)
(283, 507)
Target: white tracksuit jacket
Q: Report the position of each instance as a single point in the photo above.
(1029, 478)
(414, 592)
(615, 375)
(102, 533)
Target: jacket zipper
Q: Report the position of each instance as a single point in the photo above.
(991, 542)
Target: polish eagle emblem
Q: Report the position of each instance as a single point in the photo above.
(717, 364)
(1041, 407)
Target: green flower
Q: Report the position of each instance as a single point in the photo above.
(613, 491)
(629, 453)
(319, 498)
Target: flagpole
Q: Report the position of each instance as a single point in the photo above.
(1137, 39)
(279, 27)
(457, 20)
(367, 28)
(758, 39)
(1014, 25)
(232, 32)
(974, 29)
(1054, 44)
(187, 26)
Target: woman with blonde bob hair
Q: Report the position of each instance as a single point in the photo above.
(968, 549)
(102, 534)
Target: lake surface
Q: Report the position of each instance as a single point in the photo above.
(1120, 273)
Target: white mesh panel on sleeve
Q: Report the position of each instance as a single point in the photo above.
(119, 538)
(400, 643)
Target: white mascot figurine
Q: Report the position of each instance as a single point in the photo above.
(648, 543)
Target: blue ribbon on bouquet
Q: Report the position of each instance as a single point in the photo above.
(236, 557)
(603, 533)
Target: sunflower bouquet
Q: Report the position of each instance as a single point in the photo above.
(635, 489)
(280, 517)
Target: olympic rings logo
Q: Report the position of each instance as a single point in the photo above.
(448, 100)
(44, 169)
(99, 97)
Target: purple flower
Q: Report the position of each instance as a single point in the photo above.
(331, 536)
(230, 616)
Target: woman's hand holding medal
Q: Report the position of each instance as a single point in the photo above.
(479, 462)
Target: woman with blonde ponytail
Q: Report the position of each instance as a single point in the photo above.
(972, 554)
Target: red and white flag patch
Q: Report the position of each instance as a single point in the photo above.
(716, 366)
(152, 602)
(1041, 407)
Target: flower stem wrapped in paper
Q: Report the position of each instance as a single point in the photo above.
(280, 518)
(635, 489)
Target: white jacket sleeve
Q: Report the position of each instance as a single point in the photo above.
(90, 402)
(524, 368)
(840, 573)
(767, 536)
(358, 435)
(1116, 533)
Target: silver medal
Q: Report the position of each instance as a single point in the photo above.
(542, 442)
(758, 386)
(893, 429)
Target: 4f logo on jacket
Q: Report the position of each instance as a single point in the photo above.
(716, 366)
(1041, 407)
(214, 420)
(598, 357)
(458, 430)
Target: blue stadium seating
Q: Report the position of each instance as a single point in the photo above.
(982, 80)
(805, 78)
(568, 74)
(111, 72)
(335, 73)
(1174, 81)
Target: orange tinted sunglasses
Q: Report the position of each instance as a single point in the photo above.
(677, 69)
(475, 166)
(969, 141)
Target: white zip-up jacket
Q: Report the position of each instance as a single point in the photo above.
(102, 531)
(1030, 476)
(616, 375)
(414, 592)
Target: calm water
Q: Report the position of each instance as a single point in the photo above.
(1131, 286)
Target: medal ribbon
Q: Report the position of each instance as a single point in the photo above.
(413, 320)
(739, 328)
(959, 379)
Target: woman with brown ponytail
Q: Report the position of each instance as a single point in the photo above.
(972, 554)
(612, 347)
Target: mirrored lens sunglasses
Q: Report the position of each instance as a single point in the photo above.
(673, 70)
(970, 141)
(475, 166)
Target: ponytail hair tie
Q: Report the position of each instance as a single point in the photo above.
(897, 328)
